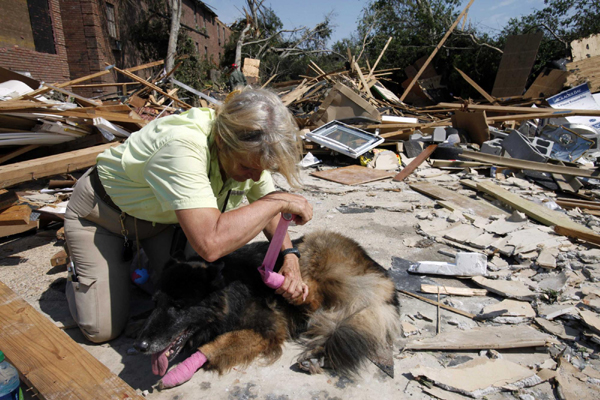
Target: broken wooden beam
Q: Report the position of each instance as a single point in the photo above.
(435, 303)
(453, 291)
(573, 233)
(536, 211)
(49, 360)
(479, 89)
(531, 165)
(415, 163)
(63, 163)
(16, 215)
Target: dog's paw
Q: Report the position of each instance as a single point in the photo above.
(312, 365)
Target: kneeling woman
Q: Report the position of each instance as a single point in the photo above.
(183, 170)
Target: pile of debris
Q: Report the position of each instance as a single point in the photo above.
(515, 179)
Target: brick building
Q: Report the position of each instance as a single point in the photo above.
(74, 38)
(32, 39)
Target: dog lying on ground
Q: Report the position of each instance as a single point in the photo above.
(226, 311)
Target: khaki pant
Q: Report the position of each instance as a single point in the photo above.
(98, 296)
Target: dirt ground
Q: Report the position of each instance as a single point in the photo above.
(379, 215)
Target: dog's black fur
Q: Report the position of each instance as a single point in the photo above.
(225, 310)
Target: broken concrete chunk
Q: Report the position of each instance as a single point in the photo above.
(463, 233)
(558, 329)
(591, 319)
(479, 377)
(511, 289)
(517, 216)
(547, 257)
(483, 241)
(554, 282)
(408, 329)
(502, 227)
(527, 240)
(512, 311)
(466, 264)
(551, 311)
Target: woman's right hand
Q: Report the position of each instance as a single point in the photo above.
(294, 204)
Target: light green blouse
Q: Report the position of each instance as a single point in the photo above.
(169, 165)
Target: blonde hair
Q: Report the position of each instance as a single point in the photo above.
(257, 123)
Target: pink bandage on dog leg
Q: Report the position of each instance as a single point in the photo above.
(184, 371)
(270, 278)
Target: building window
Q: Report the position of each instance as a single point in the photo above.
(206, 51)
(41, 26)
(223, 34)
(110, 18)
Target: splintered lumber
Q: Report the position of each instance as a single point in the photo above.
(531, 165)
(454, 291)
(64, 163)
(414, 164)
(365, 86)
(476, 86)
(485, 337)
(536, 211)
(480, 208)
(16, 215)
(434, 52)
(49, 360)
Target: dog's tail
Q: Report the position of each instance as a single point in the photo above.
(356, 329)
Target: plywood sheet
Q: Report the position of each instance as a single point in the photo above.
(587, 70)
(585, 48)
(548, 83)
(475, 123)
(353, 175)
(519, 56)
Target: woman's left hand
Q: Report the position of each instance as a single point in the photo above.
(293, 289)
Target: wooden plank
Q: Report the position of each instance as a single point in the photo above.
(515, 66)
(7, 199)
(353, 175)
(15, 215)
(59, 258)
(475, 123)
(484, 337)
(536, 211)
(49, 360)
(434, 52)
(480, 208)
(365, 86)
(64, 163)
(531, 165)
(415, 163)
(458, 164)
(9, 230)
(455, 291)
(573, 233)
(593, 205)
(476, 87)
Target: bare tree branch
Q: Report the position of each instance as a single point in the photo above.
(474, 40)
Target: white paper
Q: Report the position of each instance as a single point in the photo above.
(577, 98)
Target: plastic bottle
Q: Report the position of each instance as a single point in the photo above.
(9, 381)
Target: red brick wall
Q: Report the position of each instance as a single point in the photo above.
(45, 67)
(197, 17)
(87, 42)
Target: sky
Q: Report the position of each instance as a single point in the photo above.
(488, 15)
